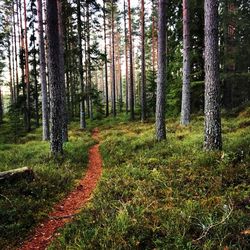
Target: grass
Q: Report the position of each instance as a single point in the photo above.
(168, 195)
(24, 203)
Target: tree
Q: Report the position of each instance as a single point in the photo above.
(161, 78)
(56, 140)
(62, 72)
(213, 139)
(185, 105)
(113, 60)
(27, 81)
(131, 77)
(106, 59)
(143, 73)
(1, 106)
(45, 111)
(80, 63)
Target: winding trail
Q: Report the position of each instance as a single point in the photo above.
(64, 211)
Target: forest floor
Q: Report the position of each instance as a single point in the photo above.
(64, 211)
(167, 195)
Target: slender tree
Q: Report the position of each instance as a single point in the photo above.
(113, 60)
(131, 87)
(62, 72)
(213, 139)
(45, 111)
(126, 56)
(185, 105)
(80, 60)
(162, 73)
(143, 71)
(56, 140)
(27, 80)
(106, 59)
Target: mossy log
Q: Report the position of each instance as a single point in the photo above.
(16, 174)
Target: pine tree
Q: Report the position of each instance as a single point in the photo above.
(185, 105)
(45, 111)
(56, 140)
(162, 74)
(143, 72)
(213, 139)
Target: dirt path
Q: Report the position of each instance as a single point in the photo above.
(70, 206)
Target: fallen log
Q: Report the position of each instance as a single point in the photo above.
(16, 174)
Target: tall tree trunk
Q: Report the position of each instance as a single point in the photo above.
(56, 140)
(45, 111)
(143, 73)
(10, 73)
(15, 52)
(80, 58)
(113, 61)
(1, 106)
(62, 73)
(213, 139)
(185, 105)
(27, 83)
(21, 56)
(131, 87)
(106, 59)
(89, 79)
(126, 57)
(162, 72)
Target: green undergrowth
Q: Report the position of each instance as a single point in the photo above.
(23, 203)
(167, 195)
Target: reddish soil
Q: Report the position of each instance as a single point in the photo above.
(70, 206)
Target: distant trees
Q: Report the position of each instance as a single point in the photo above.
(212, 85)
(162, 73)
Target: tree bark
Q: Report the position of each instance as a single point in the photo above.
(126, 57)
(80, 58)
(27, 83)
(143, 72)
(62, 73)
(45, 111)
(106, 59)
(131, 87)
(56, 140)
(113, 61)
(162, 72)
(185, 105)
(213, 139)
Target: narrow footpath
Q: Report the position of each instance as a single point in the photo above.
(65, 210)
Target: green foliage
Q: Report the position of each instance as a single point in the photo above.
(24, 203)
(168, 195)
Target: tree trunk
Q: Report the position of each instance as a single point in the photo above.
(62, 73)
(113, 61)
(213, 139)
(80, 58)
(1, 107)
(56, 140)
(10, 73)
(106, 59)
(143, 73)
(27, 83)
(185, 105)
(131, 87)
(15, 52)
(45, 111)
(162, 72)
(126, 57)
